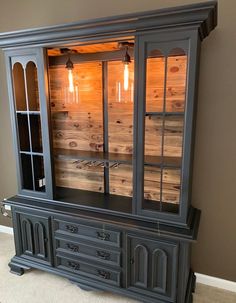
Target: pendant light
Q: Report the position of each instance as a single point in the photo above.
(126, 60)
(71, 89)
(70, 67)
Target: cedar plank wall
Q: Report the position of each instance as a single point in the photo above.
(80, 126)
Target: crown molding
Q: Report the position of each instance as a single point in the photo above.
(202, 16)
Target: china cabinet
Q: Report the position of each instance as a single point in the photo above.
(103, 115)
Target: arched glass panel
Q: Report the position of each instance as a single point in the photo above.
(32, 86)
(19, 87)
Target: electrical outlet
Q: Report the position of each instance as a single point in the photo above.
(7, 207)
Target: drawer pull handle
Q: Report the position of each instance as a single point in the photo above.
(73, 265)
(104, 274)
(72, 247)
(103, 255)
(71, 228)
(103, 236)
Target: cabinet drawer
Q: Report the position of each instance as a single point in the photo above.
(89, 270)
(98, 254)
(81, 231)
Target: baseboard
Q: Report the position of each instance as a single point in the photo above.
(216, 282)
(6, 229)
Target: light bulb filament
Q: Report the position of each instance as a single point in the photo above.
(71, 81)
(126, 76)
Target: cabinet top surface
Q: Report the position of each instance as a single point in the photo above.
(186, 233)
(201, 16)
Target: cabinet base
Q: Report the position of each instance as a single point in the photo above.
(191, 287)
(17, 269)
(19, 265)
(84, 287)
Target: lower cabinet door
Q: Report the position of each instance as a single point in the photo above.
(32, 236)
(152, 267)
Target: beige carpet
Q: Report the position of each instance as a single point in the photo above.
(37, 286)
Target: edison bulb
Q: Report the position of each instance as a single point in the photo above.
(71, 81)
(126, 76)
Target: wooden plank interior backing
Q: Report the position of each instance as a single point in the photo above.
(77, 126)
(71, 174)
(121, 180)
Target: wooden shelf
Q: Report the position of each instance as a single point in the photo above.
(30, 112)
(174, 162)
(148, 114)
(59, 111)
(160, 206)
(31, 153)
(92, 156)
(109, 201)
(95, 200)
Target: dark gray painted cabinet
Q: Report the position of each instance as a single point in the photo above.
(129, 233)
(151, 264)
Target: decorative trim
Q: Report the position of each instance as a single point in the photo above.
(216, 282)
(6, 230)
(202, 16)
(159, 270)
(140, 259)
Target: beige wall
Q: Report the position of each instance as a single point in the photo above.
(214, 180)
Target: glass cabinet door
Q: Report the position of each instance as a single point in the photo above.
(162, 90)
(163, 126)
(28, 117)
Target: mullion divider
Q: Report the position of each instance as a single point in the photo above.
(163, 131)
(105, 123)
(29, 129)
